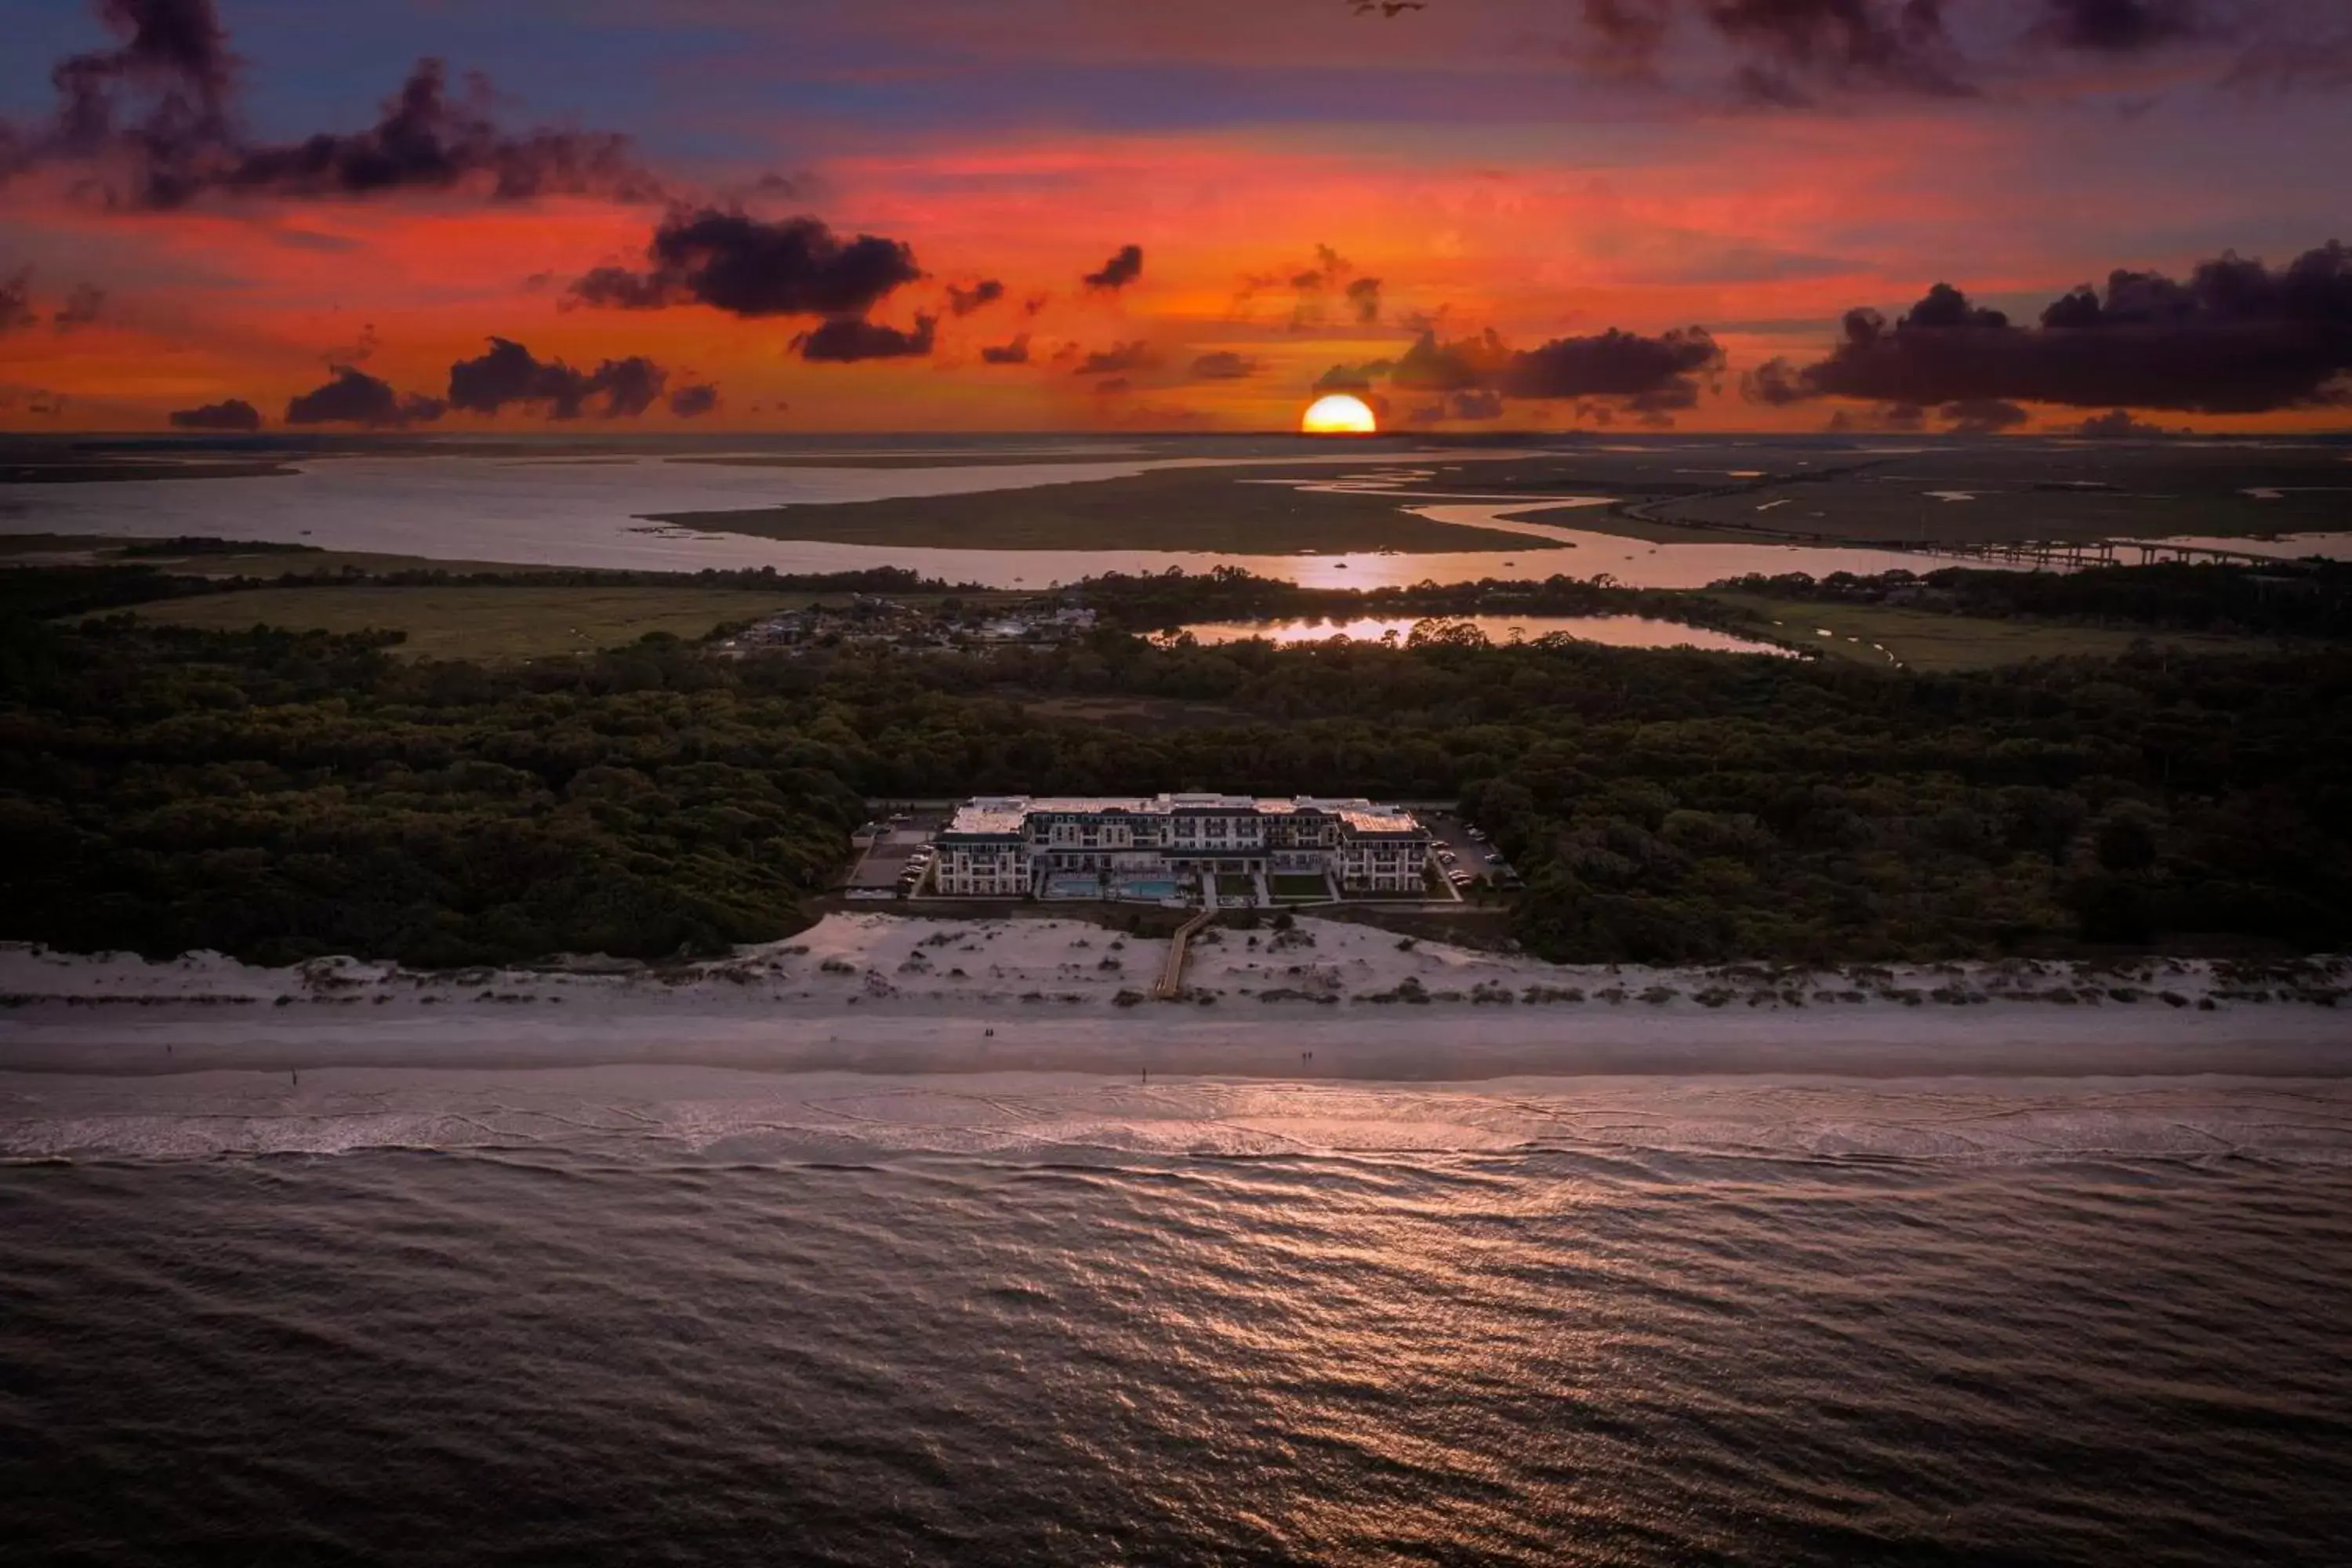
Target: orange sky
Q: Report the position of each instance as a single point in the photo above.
(1761, 227)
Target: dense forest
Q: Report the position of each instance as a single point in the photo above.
(279, 796)
(2297, 599)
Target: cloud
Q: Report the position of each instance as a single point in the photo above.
(84, 305)
(1884, 43)
(17, 302)
(427, 140)
(1651, 374)
(751, 266)
(1363, 297)
(1626, 35)
(157, 116)
(2118, 26)
(1353, 377)
(2118, 424)
(234, 413)
(1983, 416)
(1431, 366)
(964, 301)
(1114, 387)
(1604, 373)
(176, 48)
(847, 339)
(1893, 418)
(694, 401)
(1120, 271)
(1224, 365)
(1014, 352)
(2237, 337)
(355, 398)
(511, 373)
(1120, 357)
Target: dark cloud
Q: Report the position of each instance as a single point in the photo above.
(2117, 424)
(1777, 382)
(17, 302)
(1609, 372)
(1014, 352)
(355, 398)
(847, 339)
(157, 114)
(1353, 377)
(2118, 26)
(694, 401)
(1983, 416)
(964, 301)
(751, 266)
(174, 48)
(1118, 358)
(511, 373)
(428, 139)
(1476, 404)
(1431, 366)
(1889, 418)
(1626, 35)
(1224, 365)
(1889, 43)
(1364, 301)
(1114, 387)
(2237, 337)
(84, 305)
(1120, 271)
(1650, 374)
(235, 414)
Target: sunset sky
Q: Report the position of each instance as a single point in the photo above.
(1064, 214)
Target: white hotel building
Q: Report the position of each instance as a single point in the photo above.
(1011, 846)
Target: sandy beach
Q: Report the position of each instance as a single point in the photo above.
(1326, 1000)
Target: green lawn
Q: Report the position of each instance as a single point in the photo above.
(1296, 885)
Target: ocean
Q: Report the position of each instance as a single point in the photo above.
(2078, 1325)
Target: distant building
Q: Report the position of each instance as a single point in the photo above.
(1010, 845)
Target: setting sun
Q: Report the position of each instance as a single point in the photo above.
(1339, 415)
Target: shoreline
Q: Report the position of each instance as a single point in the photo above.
(879, 994)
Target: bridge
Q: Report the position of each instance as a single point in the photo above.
(2075, 555)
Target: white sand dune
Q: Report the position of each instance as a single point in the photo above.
(883, 993)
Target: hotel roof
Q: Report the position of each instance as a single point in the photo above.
(997, 815)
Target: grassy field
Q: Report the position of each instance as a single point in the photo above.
(1223, 510)
(491, 624)
(1990, 493)
(86, 549)
(1923, 640)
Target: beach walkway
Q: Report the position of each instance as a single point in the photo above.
(1171, 975)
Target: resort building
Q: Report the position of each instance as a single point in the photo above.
(1092, 847)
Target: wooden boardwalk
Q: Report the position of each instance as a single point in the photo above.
(1171, 984)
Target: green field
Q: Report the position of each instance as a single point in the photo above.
(500, 623)
(1932, 643)
(1221, 510)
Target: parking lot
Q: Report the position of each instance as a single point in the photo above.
(1475, 856)
(882, 867)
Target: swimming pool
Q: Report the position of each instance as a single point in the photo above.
(1146, 887)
